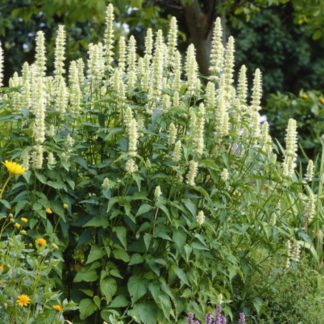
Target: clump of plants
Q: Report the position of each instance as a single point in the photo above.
(26, 293)
(163, 193)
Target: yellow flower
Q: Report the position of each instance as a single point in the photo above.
(49, 210)
(23, 232)
(24, 219)
(23, 300)
(14, 168)
(17, 225)
(58, 308)
(41, 242)
(65, 206)
(1, 267)
(321, 100)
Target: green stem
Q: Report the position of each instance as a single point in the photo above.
(5, 185)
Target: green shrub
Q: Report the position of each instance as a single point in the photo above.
(308, 109)
(165, 194)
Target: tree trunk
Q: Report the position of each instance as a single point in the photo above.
(200, 28)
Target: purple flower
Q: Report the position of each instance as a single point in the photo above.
(224, 320)
(197, 322)
(218, 317)
(242, 318)
(191, 318)
(208, 319)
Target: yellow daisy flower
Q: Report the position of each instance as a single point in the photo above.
(24, 219)
(41, 242)
(65, 206)
(49, 210)
(23, 300)
(14, 168)
(58, 308)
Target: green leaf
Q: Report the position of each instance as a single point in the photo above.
(191, 207)
(181, 275)
(137, 287)
(120, 254)
(99, 221)
(87, 307)
(87, 276)
(136, 259)
(147, 240)
(96, 253)
(119, 301)
(179, 237)
(121, 234)
(108, 288)
(144, 209)
(165, 304)
(5, 203)
(144, 313)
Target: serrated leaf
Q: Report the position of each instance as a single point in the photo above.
(144, 209)
(136, 259)
(87, 276)
(119, 301)
(96, 253)
(120, 254)
(121, 234)
(137, 287)
(87, 307)
(181, 275)
(108, 288)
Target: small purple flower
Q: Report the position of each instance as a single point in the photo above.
(218, 317)
(242, 318)
(191, 318)
(197, 322)
(224, 320)
(208, 318)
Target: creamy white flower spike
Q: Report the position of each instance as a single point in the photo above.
(59, 55)
(109, 37)
(176, 156)
(122, 54)
(40, 55)
(51, 161)
(96, 67)
(172, 134)
(256, 91)
(229, 65)
(158, 64)
(309, 207)
(157, 192)
(192, 173)
(242, 85)
(105, 184)
(133, 138)
(131, 166)
(131, 60)
(224, 175)
(172, 42)
(289, 164)
(191, 69)
(217, 52)
(199, 131)
(210, 96)
(177, 71)
(200, 217)
(310, 171)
